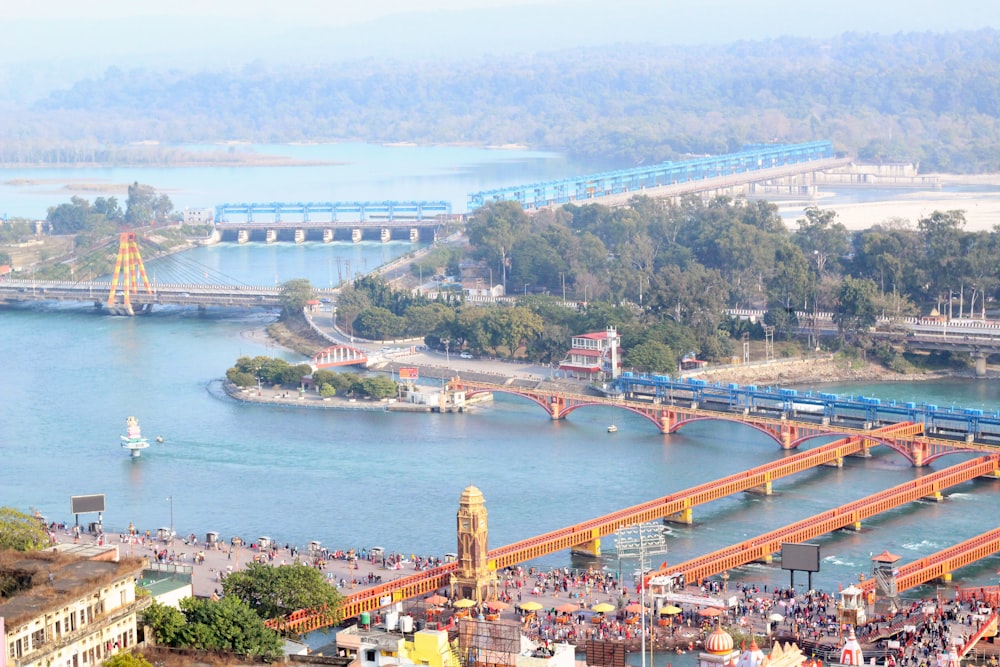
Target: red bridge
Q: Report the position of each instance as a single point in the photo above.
(338, 355)
(789, 434)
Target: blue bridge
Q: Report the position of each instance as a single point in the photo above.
(401, 212)
(746, 166)
(829, 408)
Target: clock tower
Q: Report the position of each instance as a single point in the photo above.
(473, 579)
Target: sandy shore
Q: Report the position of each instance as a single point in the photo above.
(982, 209)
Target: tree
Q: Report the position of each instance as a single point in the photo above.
(167, 623)
(21, 532)
(294, 295)
(857, 306)
(493, 231)
(229, 624)
(275, 591)
(377, 386)
(821, 237)
(941, 234)
(379, 324)
(126, 659)
(651, 356)
(69, 218)
(511, 327)
(110, 209)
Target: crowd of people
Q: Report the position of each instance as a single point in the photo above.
(912, 637)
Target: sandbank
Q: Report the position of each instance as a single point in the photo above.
(982, 209)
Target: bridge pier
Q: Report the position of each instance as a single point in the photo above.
(685, 516)
(918, 452)
(414, 234)
(765, 489)
(243, 236)
(271, 237)
(556, 407)
(591, 548)
(667, 421)
(300, 235)
(385, 235)
(327, 236)
(980, 358)
(789, 433)
(356, 235)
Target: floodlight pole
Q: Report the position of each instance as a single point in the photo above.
(642, 594)
(171, 536)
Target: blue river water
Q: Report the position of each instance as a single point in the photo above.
(71, 376)
(356, 479)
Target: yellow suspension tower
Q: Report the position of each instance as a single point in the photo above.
(129, 265)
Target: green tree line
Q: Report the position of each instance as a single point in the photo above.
(928, 97)
(665, 274)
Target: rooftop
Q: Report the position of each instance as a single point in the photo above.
(46, 580)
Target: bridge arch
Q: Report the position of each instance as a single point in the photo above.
(512, 392)
(628, 408)
(338, 355)
(757, 427)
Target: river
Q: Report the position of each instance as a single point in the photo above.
(393, 479)
(72, 376)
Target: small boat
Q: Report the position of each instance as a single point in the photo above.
(159, 438)
(612, 429)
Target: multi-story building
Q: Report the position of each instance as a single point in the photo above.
(67, 610)
(594, 356)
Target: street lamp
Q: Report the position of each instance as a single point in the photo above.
(171, 536)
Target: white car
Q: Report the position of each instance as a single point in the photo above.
(466, 355)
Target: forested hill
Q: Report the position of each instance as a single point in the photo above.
(933, 98)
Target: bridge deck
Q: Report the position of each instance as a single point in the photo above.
(565, 538)
(672, 415)
(944, 562)
(762, 546)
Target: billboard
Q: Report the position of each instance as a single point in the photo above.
(84, 504)
(801, 557)
(409, 373)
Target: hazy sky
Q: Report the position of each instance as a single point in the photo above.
(339, 12)
(64, 40)
(330, 12)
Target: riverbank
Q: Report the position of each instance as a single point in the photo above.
(981, 205)
(821, 369)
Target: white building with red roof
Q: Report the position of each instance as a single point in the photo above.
(594, 356)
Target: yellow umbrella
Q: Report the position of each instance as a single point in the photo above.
(603, 607)
(531, 605)
(464, 603)
(669, 610)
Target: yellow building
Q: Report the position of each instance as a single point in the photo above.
(67, 610)
(376, 648)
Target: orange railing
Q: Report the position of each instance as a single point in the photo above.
(571, 536)
(764, 545)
